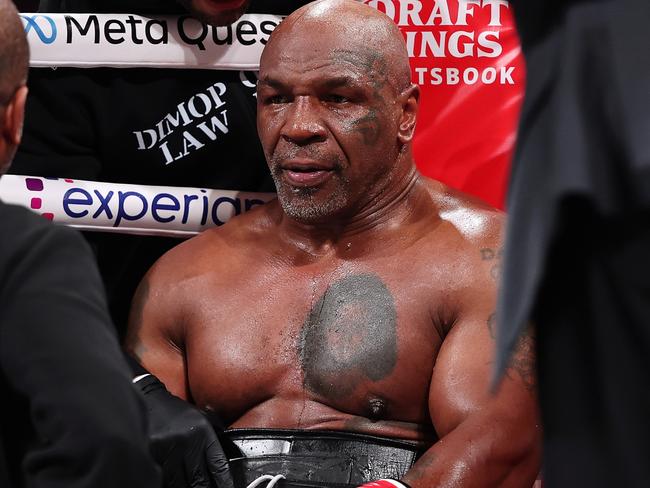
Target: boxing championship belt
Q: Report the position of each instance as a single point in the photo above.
(315, 459)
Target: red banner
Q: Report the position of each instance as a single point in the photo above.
(465, 55)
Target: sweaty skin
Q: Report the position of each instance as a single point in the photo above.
(363, 298)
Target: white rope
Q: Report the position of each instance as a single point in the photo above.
(128, 209)
(124, 40)
(266, 477)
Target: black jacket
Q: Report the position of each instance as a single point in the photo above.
(584, 135)
(70, 416)
(576, 260)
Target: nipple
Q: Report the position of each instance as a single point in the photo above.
(377, 409)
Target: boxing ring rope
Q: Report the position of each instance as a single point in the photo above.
(124, 41)
(128, 209)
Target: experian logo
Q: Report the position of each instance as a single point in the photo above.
(119, 206)
(32, 22)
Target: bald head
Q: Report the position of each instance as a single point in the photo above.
(14, 51)
(367, 35)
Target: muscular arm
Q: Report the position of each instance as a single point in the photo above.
(155, 331)
(182, 440)
(487, 439)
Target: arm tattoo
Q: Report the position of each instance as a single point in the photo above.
(492, 323)
(489, 254)
(522, 359)
(494, 256)
(522, 362)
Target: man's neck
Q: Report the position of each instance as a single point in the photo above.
(378, 219)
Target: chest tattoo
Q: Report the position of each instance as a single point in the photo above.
(349, 336)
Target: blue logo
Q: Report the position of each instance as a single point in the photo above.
(31, 23)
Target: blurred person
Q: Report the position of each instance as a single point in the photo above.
(71, 417)
(576, 269)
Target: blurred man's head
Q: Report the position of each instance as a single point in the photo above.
(14, 63)
(216, 12)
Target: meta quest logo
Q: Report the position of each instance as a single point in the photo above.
(118, 29)
(42, 25)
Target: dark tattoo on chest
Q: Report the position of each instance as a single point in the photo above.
(349, 337)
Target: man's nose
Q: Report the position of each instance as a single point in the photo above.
(304, 124)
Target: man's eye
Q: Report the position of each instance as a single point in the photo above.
(276, 99)
(334, 98)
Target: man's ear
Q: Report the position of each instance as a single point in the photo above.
(14, 116)
(410, 102)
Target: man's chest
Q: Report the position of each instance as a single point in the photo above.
(350, 339)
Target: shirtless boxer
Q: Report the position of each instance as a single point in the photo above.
(362, 299)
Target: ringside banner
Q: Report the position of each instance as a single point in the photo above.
(128, 209)
(120, 40)
(466, 58)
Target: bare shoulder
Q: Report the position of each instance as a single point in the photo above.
(216, 250)
(474, 221)
(464, 248)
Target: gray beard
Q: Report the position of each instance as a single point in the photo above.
(302, 205)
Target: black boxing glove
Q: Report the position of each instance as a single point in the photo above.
(181, 438)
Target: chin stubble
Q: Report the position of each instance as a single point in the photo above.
(305, 205)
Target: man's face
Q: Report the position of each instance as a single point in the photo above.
(328, 122)
(216, 12)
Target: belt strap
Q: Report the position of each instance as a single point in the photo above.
(316, 459)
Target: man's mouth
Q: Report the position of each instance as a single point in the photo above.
(305, 173)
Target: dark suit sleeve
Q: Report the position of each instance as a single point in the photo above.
(59, 351)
